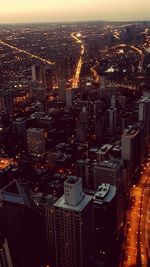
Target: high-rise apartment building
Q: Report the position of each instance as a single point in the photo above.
(105, 211)
(81, 126)
(108, 171)
(144, 114)
(73, 232)
(6, 101)
(35, 72)
(104, 152)
(112, 120)
(70, 94)
(131, 147)
(44, 75)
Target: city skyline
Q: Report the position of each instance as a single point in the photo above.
(48, 11)
(74, 140)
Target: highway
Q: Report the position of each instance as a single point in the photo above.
(145, 223)
(136, 245)
(75, 79)
(26, 53)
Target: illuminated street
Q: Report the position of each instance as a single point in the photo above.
(74, 132)
(75, 80)
(137, 226)
(27, 53)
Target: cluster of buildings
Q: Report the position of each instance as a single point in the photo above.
(82, 224)
(68, 157)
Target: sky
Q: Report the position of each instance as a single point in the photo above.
(19, 11)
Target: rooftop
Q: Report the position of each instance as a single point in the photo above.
(131, 130)
(35, 130)
(72, 180)
(15, 193)
(144, 99)
(109, 164)
(117, 148)
(21, 119)
(104, 149)
(105, 193)
(43, 198)
(61, 203)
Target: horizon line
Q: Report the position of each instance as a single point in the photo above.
(70, 22)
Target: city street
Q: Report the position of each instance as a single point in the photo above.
(137, 227)
(75, 80)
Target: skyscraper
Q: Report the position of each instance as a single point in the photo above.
(6, 101)
(43, 74)
(81, 126)
(108, 171)
(144, 114)
(22, 226)
(35, 72)
(112, 118)
(73, 232)
(131, 147)
(5, 257)
(45, 204)
(105, 211)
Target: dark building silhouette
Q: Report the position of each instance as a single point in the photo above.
(105, 222)
(23, 227)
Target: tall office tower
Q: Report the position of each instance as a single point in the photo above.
(130, 33)
(44, 75)
(108, 171)
(106, 222)
(144, 114)
(1, 101)
(36, 141)
(146, 93)
(49, 78)
(112, 120)
(131, 147)
(111, 40)
(112, 89)
(97, 108)
(5, 257)
(6, 101)
(73, 232)
(125, 121)
(22, 226)
(102, 85)
(113, 101)
(35, 69)
(104, 152)
(82, 126)
(4, 118)
(142, 140)
(85, 170)
(70, 94)
(45, 204)
(19, 127)
(62, 90)
(45, 122)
